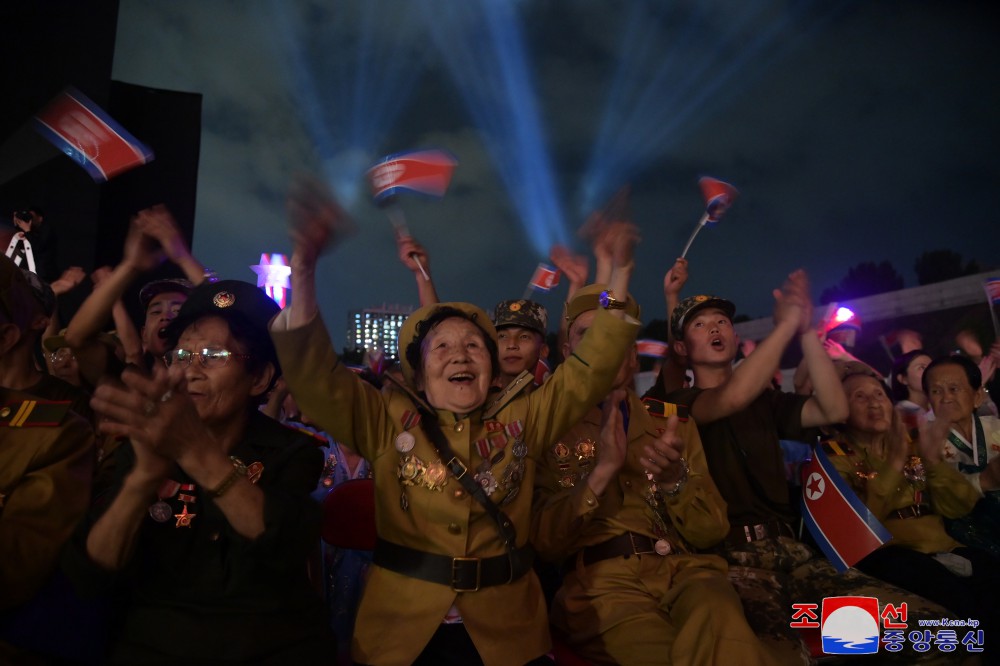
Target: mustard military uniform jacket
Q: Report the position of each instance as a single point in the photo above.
(570, 516)
(886, 490)
(421, 506)
(47, 458)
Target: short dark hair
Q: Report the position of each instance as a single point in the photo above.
(413, 354)
(900, 367)
(971, 370)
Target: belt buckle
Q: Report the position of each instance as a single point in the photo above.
(455, 563)
(456, 461)
(631, 539)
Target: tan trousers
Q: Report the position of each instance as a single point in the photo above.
(653, 610)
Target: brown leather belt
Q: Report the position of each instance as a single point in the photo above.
(462, 574)
(772, 529)
(624, 545)
(913, 511)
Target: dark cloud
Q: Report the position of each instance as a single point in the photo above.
(855, 132)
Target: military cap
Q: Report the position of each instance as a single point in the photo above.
(408, 331)
(693, 304)
(167, 285)
(589, 298)
(523, 313)
(233, 300)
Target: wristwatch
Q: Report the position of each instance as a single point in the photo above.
(609, 302)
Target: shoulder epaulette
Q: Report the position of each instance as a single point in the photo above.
(521, 382)
(834, 448)
(33, 413)
(665, 409)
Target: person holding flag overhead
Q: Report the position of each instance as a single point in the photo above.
(453, 460)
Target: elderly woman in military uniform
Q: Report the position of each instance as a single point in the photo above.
(453, 461)
(210, 521)
(911, 489)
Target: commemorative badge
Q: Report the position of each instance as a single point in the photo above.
(405, 442)
(436, 475)
(160, 512)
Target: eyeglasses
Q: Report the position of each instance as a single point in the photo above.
(62, 354)
(209, 358)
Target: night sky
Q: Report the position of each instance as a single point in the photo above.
(854, 132)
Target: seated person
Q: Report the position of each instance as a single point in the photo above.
(520, 328)
(46, 461)
(954, 387)
(453, 461)
(911, 492)
(907, 386)
(626, 501)
(207, 529)
(741, 420)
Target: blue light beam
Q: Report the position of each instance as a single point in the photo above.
(352, 67)
(483, 50)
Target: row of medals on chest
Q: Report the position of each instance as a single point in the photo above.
(161, 511)
(584, 455)
(413, 472)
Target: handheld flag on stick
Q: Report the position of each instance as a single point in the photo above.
(718, 197)
(90, 137)
(426, 172)
(839, 521)
(545, 278)
(992, 288)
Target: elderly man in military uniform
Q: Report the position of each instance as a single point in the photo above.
(521, 331)
(626, 500)
(46, 462)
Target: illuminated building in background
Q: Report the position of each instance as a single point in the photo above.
(376, 328)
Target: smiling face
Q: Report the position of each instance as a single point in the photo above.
(709, 338)
(950, 393)
(520, 349)
(870, 407)
(455, 366)
(220, 394)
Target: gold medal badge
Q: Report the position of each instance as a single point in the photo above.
(436, 476)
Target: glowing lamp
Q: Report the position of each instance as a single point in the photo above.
(272, 276)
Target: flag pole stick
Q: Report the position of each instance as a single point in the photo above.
(701, 223)
(395, 214)
(527, 292)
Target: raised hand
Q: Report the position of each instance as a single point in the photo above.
(158, 223)
(663, 458)
(316, 220)
(574, 266)
(675, 278)
(792, 303)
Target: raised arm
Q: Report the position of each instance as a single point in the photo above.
(753, 375)
(413, 255)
